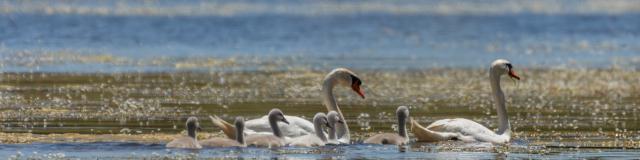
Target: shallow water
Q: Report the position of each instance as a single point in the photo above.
(586, 113)
(111, 150)
(117, 79)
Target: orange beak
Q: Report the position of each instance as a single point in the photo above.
(513, 74)
(358, 90)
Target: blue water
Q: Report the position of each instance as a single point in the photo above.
(195, 35)
(368, 40)
(116, 150)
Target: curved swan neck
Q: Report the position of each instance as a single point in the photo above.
(327, 94)
(192, 125)
(317, 125)
(192, 133)
(402, 128)
(274, 126)
(498, 95)
(240, 135)
(332, 133)
(329, 82)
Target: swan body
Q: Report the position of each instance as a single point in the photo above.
(386, 138)
(220, 142)
(184, 142)
(300, 126)
(307, 141)
(460, 129)
(269, 140)
(226, 142)
(297, 126)
(265, 140)
(187, 142)
(400, 138)
(319, 139)
(467, 130)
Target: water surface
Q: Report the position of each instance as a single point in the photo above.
(117, 79)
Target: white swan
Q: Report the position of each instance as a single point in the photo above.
(226, 142)
(269, 140)
(400, 138)
(319, 139)
(345, 77)
(189, 142)
(467, 130)
(300, 126)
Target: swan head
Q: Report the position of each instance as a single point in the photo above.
(321, 119)
(333, 117)
(502, 66)
(402, 112)
(346, 77)
(277, 115)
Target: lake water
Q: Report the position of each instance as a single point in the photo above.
(122, 38)
(116, 79)
(134, 150)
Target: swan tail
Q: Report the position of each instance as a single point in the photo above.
(226, 127)
(423, 134)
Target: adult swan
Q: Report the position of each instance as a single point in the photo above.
(467, 130)
(299, 126)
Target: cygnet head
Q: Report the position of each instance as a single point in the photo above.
(277, 115)
(402, 112)
(333, 117)
(192, 126)
(321, 119)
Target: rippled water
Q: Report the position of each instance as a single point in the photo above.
(589, 109)
(131, 37)
(154, 151)
(117, 79)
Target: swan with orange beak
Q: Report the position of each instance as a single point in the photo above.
(468, 130)
(299, 126)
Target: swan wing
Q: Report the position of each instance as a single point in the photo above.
(468, 130)
(459, 125)
(423, 134)
(297, 126)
